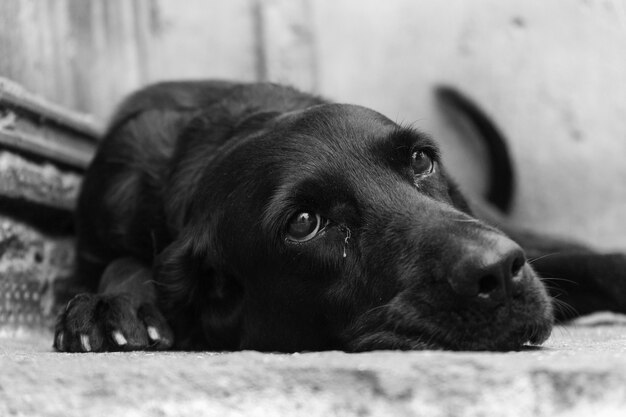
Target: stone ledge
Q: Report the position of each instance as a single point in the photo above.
(580, 372)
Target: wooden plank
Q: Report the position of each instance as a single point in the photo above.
(55, 148)
(37, 127)
(12, 95)
(40, 183)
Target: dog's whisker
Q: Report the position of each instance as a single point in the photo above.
(551, 279)
(530, 261)
(564, 308)
(565, 330)
(466, 220)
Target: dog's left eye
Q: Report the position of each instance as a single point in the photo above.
(422, 163)
(304, 226)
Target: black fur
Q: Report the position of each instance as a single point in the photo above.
(184, 214)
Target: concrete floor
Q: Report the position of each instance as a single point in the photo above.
(581, 371)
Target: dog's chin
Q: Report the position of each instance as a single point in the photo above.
(502, 335)
(522, 335)
(526, 320)
(532, 334)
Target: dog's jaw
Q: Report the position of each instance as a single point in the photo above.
(410, 325)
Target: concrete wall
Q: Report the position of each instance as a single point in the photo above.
(551, 73)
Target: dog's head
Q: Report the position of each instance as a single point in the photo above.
(335, 228)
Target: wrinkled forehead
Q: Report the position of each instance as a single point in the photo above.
(335, 126)
(337, 153)
(314, 157)
(339, 137)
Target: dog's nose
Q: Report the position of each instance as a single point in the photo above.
(487, 270)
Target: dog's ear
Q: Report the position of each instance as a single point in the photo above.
(458, 200)
(191, 288)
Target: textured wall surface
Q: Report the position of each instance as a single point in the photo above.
(86, 55)
(550, 73)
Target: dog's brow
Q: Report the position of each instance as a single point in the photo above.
(282, 201)
(397, 144)
(410, 138)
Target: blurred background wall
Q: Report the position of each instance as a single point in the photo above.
(551, 74)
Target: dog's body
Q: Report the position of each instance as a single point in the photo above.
(233, 216)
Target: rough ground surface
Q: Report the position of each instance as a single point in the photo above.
(581, 371)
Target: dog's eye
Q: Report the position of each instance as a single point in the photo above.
(304, 226)
(421, 163)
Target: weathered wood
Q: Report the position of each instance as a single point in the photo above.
(84, 55)
(37, 186)
(50, 146)
(38, 183)
(13, 96)
(87, 55)
(33, 125)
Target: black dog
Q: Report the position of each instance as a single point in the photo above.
(231, 216)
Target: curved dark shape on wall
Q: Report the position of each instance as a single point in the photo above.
(501, 187)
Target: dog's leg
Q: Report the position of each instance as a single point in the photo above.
(121, 316)
(584, 282)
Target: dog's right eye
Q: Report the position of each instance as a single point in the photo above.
(304, 226)
(422, 163)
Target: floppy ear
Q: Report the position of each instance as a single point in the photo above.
(192, 292)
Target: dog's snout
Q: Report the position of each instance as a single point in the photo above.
(487, 271)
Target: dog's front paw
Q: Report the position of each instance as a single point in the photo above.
(102, 323)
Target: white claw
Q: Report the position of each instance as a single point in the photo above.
(119, 338)
(84, 341)
(153, 333)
